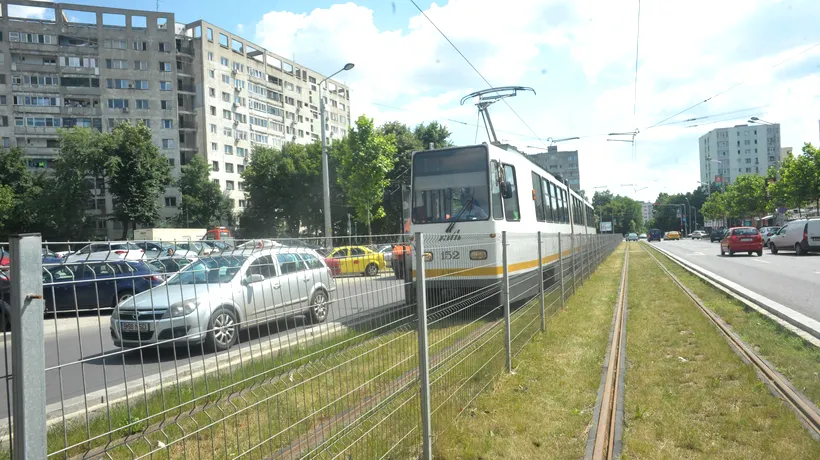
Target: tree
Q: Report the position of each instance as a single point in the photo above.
(203, 203)
(138, 175)
(432, 133)
(746, 197)
(22, 193)
(601, 199)
(715, 207)
(283, 186)
(365, 158)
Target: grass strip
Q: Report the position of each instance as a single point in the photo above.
(544, 409)
(795, 358)
(688, 395)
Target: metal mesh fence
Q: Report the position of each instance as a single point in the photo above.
(269, 348)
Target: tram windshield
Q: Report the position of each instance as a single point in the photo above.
(451, 185)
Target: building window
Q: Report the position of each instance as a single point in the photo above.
(116, 64)
(116, 103)
(211, 56)
(228, 166)
(228, 150)
(240, 169)
(225, 62)
(226, 114)
(214, 147)
(215, 166)
(241, 152)
(226, 97)
(140, 65)
(141, 84)
(165, 86)
(142, 104)
(167, 124)
(226, 79)
(164, 47)
(167, 143)
(213, 128)
(229, 185)
(140, 46)
(227, 132)
(170, 201)
(211, 92)
(115, 44)
(241, 203)
(209, 34)
(164, 66)
(211, 74)
(213, 110)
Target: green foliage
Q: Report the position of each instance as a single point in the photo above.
(715, 207)
(283, 187)
(746, 197)
(365, 157)
(138, 175)
(22, 195)
(625, 211)
(203, 204)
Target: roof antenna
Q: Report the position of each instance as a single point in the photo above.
(488, 97)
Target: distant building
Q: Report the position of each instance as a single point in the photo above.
(785, 151)
(648, 211)
(563, 164)
(726, 153)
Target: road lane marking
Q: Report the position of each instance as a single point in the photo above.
(761, 261)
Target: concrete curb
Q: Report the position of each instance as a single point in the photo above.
(805, 327)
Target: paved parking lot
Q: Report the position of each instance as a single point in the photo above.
(791, 280)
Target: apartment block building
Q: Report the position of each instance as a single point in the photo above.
(201, 90)
(726, 153)
(243, 96)
(561, 163)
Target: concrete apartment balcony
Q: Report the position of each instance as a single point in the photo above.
(35, 130)
(42, 109)
(81, 90)
(34, 48)
(85, 111)
(186, 88)
(40, 152)
(36, 88)
(187, 125)
(24, 67)
(188, 146)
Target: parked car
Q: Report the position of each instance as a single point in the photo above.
(359, 259)
(197, 247)
(673, 235)
(387, 252)
(259, 244)
(155, 249)
(90, 286)
(742, 239)
(632, 237)
(170, 265)
(107, 251)
(801, 236)
(766, 233)
(211, 299)
(697, 234)
(654, 235)
(717, 234)
(642, 236)
(220, 246)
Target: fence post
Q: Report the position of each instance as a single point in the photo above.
(561, 269)
(541, 277)
(572, 243)
(505, 297)
(27, 347)
(424, 364)
(588, 246)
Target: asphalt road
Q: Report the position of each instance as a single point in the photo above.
(82, 357)
(791, 280)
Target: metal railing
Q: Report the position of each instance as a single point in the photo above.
(274, 348)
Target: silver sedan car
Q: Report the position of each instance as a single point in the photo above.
(213, 297)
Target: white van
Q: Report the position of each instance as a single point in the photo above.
(801, 236)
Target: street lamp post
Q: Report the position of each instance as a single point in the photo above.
(325, 167)
(687, 213)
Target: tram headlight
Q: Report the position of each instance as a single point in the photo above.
(478, 254)
(428, 256)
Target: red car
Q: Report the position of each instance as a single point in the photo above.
(742, 239)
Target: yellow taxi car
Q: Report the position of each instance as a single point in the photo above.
(358, 259)
(673, 235)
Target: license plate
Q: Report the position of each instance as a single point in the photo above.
(131, 326)
(745, 239)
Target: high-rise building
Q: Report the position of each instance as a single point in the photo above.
(201, 90)
(561, 163)
(726, 153)
(647, 211)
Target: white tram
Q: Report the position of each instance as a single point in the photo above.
(464, 197)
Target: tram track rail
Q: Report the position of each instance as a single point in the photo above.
(604, 441)
(806, 411)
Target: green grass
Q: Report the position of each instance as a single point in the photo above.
(688, 395)
(794, 357)
(544, 408)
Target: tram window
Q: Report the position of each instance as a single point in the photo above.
(564, 206)
(498, 211)
(538, 197)
(546, 187)
(554, 200)
(511, 211)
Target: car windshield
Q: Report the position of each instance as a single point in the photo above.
(633, 235)
(744, 231)
(169, 265)
(212, 270)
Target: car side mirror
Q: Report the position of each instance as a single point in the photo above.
(506, 190)
(250, 279)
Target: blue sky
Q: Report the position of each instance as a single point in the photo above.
(579, 56)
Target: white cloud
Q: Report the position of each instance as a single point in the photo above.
(580, 58)
(32, 12)
(240, 28)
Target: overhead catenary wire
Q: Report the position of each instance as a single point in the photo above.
(476, 70)
(794, 56)
(635, 89)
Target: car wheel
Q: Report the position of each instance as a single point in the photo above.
(222, 330)
(799, 249)
(750, 252)
(122, 297)
(760, 253)
(773, 248)
(371, 270)
(318, 307)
